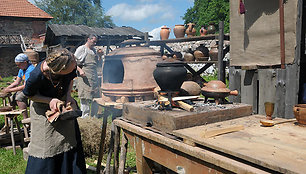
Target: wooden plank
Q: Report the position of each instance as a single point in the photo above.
(249, 88)
(235, 84)
(13, 112)
(267, 90)
(292, 89)
(280, 93)
(198, 153)
(221, 68)
(280, 148)
(144, 113)
(220, 131)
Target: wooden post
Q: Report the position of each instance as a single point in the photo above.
(146, 38)
(282, 33)
(116, 149)
(221, 69)
(124, 146)
(102, 141)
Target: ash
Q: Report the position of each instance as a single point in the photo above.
(202, 107)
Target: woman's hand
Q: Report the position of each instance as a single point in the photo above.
(53, 104)
(72, 102)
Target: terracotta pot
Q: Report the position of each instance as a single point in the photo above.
(164, 33)
(211, 29)
(179, 31)
(203, 49)
(198, 54)
(170, 76)
(32, 55)
(190, 88)
(300, 113)
(213, 53)
(190, 31)
(217, 89)
(203, 31)
(188, 57)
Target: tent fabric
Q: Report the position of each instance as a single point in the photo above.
(255, 35)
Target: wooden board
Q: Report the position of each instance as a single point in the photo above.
(280, 148)
(145, 113)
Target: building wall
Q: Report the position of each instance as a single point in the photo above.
(30, 29)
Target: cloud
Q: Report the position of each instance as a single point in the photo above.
(128, 12)
(155, 33)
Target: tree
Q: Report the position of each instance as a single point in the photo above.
(205, 11)
(86, 12)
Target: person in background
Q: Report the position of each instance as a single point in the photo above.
(22, 61)
(88, 87)
(55, 147)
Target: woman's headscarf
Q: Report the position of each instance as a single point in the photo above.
(58, 59)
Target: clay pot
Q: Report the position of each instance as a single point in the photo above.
(299, 111)
(190, 31)
(190, 88)
(164, 33)
(170, 76)
(197, 54)
(179, 31)
(213, 53)
(32, 55)
(217, 89)
(211, 29)
(203, 49)
(188, 57)
(203, 31)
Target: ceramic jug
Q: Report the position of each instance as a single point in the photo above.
(179, 31)
(164, 32)
(190, 31)
(203, 31)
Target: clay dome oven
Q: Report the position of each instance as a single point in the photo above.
(128, 74)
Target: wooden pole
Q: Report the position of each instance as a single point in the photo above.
(282, 33)
(102, 141)
(221, 69)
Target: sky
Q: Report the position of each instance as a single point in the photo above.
(146, 15)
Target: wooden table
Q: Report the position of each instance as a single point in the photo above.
(255, 149)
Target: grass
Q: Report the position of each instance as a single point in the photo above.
(15, 164)
(11, 164)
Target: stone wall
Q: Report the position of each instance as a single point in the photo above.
(29, 29)
(7, 63)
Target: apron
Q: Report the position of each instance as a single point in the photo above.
(88, 87)
(49, 139)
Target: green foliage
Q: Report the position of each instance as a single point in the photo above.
(205, 11)
(85, 12)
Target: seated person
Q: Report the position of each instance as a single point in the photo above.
(22, 62)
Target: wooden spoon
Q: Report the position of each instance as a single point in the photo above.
(269, 123)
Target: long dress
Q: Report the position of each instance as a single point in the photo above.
(55, 147)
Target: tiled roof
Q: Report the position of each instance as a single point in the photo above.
(21, 8)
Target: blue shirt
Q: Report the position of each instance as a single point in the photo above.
(25, 74)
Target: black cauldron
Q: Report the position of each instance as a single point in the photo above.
(170, 76)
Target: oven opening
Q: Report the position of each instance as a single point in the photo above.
(113, 71)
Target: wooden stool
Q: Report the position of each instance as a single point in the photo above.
(6, 101)
(26, 124)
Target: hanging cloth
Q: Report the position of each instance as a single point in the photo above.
(241, 7)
